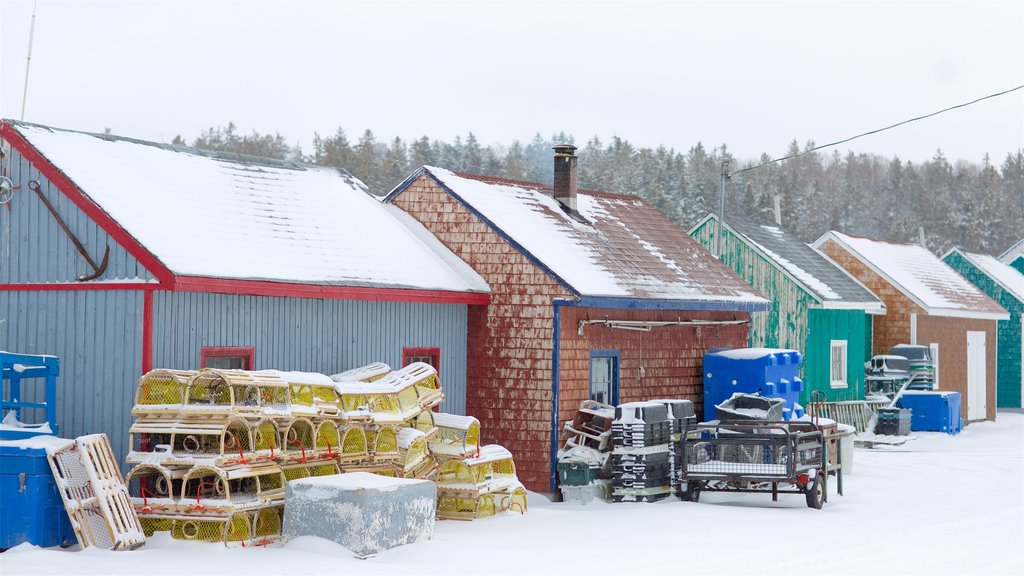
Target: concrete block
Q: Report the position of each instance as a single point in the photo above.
(363, 512)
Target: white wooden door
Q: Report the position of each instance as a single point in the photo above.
(976, 401)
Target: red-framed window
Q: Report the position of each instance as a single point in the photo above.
(431, 356)
(228, 357)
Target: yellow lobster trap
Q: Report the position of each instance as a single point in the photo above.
(456, 436)
(257, 526)
(183, 442)
(368, 373)
(416, 460)
(161, 392)
(237, 392)
(310, 468)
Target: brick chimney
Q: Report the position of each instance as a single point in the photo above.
(565, 175)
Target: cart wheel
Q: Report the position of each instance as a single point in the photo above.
(692, 492)
(816, 492)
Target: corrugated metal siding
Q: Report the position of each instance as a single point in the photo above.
(326, 336)
(825, 326)
(98, 337)
(33, 248)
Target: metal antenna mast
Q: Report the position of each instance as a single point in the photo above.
(28, 60)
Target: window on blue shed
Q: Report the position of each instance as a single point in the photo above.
(838, 364)
(228, 357)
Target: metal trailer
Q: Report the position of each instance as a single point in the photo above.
(762, 457)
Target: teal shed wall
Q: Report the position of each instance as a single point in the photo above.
(1018, 264)
(1008, 333)
(824, 327)
(793, 311)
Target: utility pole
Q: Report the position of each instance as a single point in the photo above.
(28, 61)
(720, 232)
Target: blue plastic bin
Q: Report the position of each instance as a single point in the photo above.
(765, 371)
(933, 410)
(31, 509)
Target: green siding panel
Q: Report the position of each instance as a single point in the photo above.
(1008, 333)
(826, 326)
(793, 312)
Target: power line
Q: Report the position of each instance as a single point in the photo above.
(876, 131)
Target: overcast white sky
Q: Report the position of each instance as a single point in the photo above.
(752, 75)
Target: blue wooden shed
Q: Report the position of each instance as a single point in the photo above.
(119, 255)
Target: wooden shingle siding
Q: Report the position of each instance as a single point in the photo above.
(311, 335)
(34, 249)
(894, 327)
(97, 335)
(508, 368)
(666, 362)
(1009, 380)
(951, 335)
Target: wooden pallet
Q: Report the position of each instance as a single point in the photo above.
(95, 494)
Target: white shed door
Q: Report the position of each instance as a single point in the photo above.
(976, 406)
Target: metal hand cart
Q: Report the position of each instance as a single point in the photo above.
(762, 457)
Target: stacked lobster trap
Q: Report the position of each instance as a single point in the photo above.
(214, 448)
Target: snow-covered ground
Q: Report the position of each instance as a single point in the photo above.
(936, 505)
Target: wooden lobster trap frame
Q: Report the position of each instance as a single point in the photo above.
(258, 526)
(382, 444)
(463, 506)
(416, 462)
(424, 379)
(94, 494)
(456, 437)
(242, 392)
(380, 402)
(161, 392)
(310, 468)
(492, 470)
(155, 488)
(424, 422)
(205, 488)
(298, 439)
(368, 373)
(353, 444)
(187, 441)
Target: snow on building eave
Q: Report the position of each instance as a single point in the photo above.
(965, 312)
(51, 145)
(835, 236)
(977, 262)
(1012, 252)
(766, 254)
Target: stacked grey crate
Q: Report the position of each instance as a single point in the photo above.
(682, 419)
(893, 422)
(641, 452)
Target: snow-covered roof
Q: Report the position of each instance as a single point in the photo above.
(621, 247)
(1013, 252)
(1011, 280)
(815, 272)
(920, 275)
(229, 216)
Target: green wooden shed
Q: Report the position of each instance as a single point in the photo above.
(1005, 285)
(817, 307)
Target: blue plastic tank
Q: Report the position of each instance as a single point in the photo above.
(770, 372)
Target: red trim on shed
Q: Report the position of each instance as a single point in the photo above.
(248, 354)
(293, 290)
(59, 286)
(84, 203)
(147, 331)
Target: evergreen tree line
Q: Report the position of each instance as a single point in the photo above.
(979, 208)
